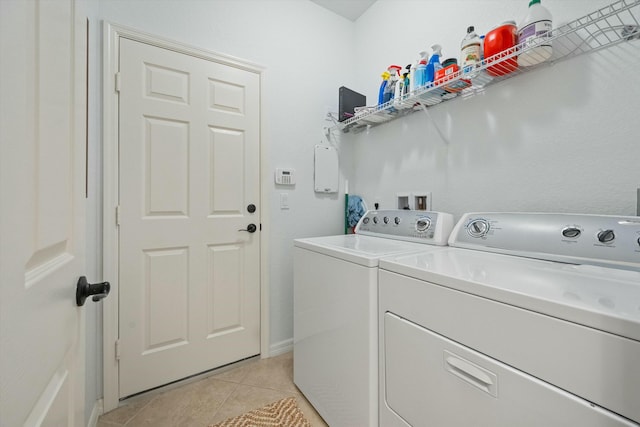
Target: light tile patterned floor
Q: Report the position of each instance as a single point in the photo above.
(215, 398)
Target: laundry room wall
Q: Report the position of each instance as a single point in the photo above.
(307, 54)
(559, 139)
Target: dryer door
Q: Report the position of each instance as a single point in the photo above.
(429, 380)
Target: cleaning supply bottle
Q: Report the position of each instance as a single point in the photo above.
(421, 70)
(385, 79)
(470, 51)
(399, 88)
(391, 83)
(534, 33)
(434, 64)
(407, 80)
(413, 76)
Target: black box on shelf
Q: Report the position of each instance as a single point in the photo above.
(348, 100)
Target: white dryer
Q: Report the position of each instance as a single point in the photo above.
(335, 360)
(474, 336)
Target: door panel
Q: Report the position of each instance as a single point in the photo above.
(189, 165)
(42, 182)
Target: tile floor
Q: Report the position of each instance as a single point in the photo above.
(213, 399)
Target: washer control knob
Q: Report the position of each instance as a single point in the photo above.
(606, 236)
(397, 220)
(365, 221)
(423, 224)
(386, 219)
(638, 241)
(571, 232)
(375, 220)
(478, 228)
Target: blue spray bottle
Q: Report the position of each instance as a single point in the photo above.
(390, 87)
(385, 79)
(434, 63)
(421, 71)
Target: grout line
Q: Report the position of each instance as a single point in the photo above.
(141, 408)
(225, 400)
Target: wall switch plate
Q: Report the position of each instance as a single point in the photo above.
(284, 200)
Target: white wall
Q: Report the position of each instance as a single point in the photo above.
(307, 55)
(560, 139)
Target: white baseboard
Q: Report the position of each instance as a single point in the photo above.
(98, 409)
(280, 347)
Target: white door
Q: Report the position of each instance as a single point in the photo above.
(42, 190)
(189, 151)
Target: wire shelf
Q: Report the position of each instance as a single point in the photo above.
(620, 21)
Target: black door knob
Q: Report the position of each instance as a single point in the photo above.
(251, 228)
(251, 208)
(85, 289)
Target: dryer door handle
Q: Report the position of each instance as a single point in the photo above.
(479, 377)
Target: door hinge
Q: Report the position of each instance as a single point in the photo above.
(118, 82)
(117, 215)
(117, 349)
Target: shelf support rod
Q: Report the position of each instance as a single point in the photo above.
(426, 111)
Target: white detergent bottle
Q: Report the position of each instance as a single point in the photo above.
(534, 32)
(470, 54)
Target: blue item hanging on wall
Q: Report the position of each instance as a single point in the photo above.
(355, 210)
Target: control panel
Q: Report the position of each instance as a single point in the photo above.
(579, 239)
(413, 226)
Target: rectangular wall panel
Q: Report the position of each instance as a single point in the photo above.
(225, 288)
(167, 167)
(166, 297)
(226, 171)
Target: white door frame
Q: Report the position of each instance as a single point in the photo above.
(112, 34)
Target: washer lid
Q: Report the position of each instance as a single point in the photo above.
(359, 249)
(603, 298)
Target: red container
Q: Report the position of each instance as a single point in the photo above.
(498, 40)
(446, 74)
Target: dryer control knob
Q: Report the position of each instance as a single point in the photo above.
(397, 220)
(365, 221)
(423, 224)
(375, 220)
(386, 219)
(478, 228)
(606, 236)
(571, 232)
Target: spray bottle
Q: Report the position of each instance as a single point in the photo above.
(385, 79)
(434, 64)
(412, 77)
(421, 70)
(407, 80)
(391, 83)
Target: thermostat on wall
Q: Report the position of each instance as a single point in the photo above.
(285, 176)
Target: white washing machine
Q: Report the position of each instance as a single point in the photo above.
(474, 336)
(335, 360)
